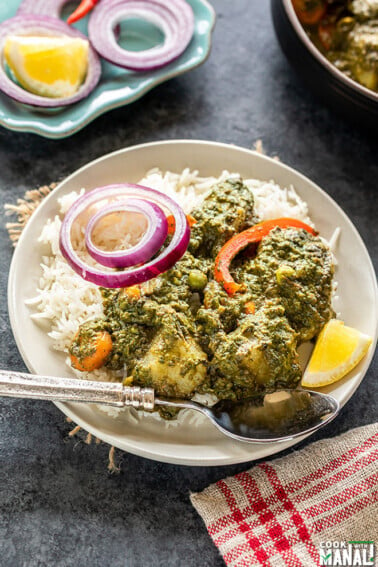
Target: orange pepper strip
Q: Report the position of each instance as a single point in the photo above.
(250, 308)
(172, 223)
(132, 292)
(309, 13)
(82, 10)
(102, 344)
(240, 241)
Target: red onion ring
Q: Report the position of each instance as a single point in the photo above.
(52, 8)
(174, 18)
(147, 247)
(29, 24)
(163, 262)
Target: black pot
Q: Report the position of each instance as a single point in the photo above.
(344, 95)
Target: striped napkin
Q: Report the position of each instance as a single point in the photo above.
(316, 506)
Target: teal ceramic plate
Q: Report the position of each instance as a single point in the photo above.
(117, 86)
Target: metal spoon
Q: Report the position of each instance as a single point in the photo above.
(278, 416)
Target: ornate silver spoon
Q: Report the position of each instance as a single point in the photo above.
(278, 416)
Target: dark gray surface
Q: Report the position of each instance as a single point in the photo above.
(58, 504)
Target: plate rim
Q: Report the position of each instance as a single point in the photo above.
(145, 452)
(51, 132)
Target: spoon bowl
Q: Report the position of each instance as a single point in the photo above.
(276, 416)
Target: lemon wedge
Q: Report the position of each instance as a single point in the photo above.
(338, 349)
(53, 67)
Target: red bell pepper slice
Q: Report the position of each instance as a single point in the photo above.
(241, 241)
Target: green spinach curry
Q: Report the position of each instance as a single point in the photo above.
(182, 334)
(346, 32)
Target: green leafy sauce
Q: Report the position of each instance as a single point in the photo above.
(185, 335)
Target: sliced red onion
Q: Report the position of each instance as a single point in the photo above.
(108, 194)
(150, 243)
(29, 24)
(174, 18)
(52, 8)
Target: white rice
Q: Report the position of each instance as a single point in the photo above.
(66, 301)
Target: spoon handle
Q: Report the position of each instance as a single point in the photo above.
(32, 386)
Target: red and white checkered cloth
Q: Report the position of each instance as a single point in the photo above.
(279, 512)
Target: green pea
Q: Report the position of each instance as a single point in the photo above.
(197, 280)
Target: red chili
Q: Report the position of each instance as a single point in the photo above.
(82, 10)
(243, 239)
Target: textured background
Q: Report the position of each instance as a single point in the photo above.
(58, 504)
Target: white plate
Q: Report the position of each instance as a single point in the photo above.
(187, 444)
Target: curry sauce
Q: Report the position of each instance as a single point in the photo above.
(182, 334)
